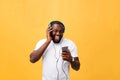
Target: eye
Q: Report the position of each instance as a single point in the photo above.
(55, 31)
(58, 31)
(61, 31)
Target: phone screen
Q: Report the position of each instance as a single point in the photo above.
(65, 49)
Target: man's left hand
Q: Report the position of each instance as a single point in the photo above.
(67, 56)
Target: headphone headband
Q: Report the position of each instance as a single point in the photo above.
(57, 22)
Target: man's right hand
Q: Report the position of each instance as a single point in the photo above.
(48, 35)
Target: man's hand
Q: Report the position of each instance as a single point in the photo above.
(67, 56)
(48, 31)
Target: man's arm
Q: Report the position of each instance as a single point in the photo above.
(75, 63)
(36, 54)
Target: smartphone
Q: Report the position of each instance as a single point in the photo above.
(65, 49)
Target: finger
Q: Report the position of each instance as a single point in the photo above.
(64, 58)
(68, 50)
(49, 28)
(64, 53)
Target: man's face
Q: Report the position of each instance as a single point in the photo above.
(57, 33)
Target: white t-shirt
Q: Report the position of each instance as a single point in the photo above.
(54, 68)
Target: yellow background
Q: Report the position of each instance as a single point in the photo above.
(94, 25)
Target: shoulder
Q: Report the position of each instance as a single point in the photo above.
(68, 41)
(41, 41)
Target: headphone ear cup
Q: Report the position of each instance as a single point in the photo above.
(49, 24)
(63, 29)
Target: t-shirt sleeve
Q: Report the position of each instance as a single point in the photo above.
(39, 44)
(73, 50)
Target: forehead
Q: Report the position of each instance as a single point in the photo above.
(57, 26)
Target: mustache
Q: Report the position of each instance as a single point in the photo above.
(53, 36)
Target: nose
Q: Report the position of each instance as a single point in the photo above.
(58, 33)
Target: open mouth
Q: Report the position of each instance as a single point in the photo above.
(57, 38)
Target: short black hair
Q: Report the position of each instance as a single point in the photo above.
(57, 22)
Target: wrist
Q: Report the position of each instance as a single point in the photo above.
(48, 41)
(72, 59)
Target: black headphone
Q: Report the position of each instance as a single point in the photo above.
(57, 22)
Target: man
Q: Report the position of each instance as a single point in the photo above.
(57, 53)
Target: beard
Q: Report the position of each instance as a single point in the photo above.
(56, 39)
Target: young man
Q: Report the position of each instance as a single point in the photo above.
(57, 53)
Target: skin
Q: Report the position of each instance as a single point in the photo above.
(55, 33)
